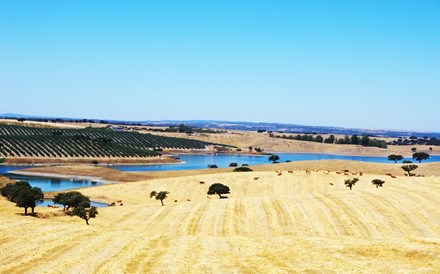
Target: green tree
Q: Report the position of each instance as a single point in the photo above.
(23, 195)
(274, 158)
(409, 168)
(365, 141)
(218, 189)
(330, 139)
(377, 183)
(233, 165)
(354, 140)
(72, 199)
(419, 156)
(162, 195)
(85, 213)
(351, 182)
(395, 158)
(319, 139)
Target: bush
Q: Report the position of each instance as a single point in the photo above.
(212, 166)
(2, 160)
(244, 165)
(218, 189)
(233, 165)
(407, 162)
(242, 169)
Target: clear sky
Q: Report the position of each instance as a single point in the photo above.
(358, 63)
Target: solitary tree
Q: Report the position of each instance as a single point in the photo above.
(414, 149)
(377, 183)
(218, 189)
(409, 168)
(72, 199)
(95, 163)
(274, 158)
(162, 195)
(23, 195)
(351, 182)
(233, 165)
(419, 156)
(85, 213)
(395, 158)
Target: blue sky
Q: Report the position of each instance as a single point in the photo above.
(359, 63)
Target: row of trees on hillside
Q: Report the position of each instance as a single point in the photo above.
(365, 140)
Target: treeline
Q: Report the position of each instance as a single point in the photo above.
(22, 141)
(413, 140)
(189, 130)
(365, 140)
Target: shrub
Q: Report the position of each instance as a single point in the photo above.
(378, 183)
(242, 169)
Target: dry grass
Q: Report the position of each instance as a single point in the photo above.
(296, 222)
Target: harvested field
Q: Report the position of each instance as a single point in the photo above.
(297, 222)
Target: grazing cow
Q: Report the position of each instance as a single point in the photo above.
(360, 173)
(113, 204)
(256, 178)
(392, 176)
(201, 182)
(175, 201)
(208, 197)
(389, 174)
(279, 174)
(119, 201)
(188, 200)
(331, 184)
(121, 204)
(290, 171)
(337, 172)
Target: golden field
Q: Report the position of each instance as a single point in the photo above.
(289, 223)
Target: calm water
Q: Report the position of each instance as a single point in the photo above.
(191, 162)
(47, 202)
(53, 184)
(202, 161)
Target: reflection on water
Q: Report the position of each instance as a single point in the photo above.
(53, 184)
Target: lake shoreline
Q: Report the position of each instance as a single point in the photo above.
(60, 176)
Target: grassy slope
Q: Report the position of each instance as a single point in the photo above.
(288, 223)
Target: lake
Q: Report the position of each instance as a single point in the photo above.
(47, 202)
(53, 184)
(191, 162)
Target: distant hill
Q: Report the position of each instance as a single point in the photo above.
(234, 125)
